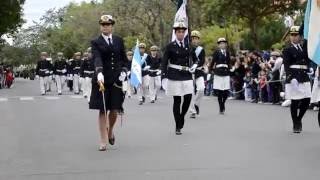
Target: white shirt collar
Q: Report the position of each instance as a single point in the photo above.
(178, 42)
(296, 45)
(107, 37)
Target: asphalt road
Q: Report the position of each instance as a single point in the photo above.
(51, 137)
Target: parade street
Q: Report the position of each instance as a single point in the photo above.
(55, 137)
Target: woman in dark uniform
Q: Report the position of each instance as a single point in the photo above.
(110, 63)
(298, 86)
(177, 60)
(221, 67)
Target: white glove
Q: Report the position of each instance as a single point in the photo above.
(47, 72)
(158, 73)
(37, 77)
(193, 68)
(311, 72)
(128, 73)
(100, 77)
(294, 83)
(64, 71)
(146, 68)
(122, 76)
(164, 83)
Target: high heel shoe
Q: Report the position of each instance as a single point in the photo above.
(103, 147)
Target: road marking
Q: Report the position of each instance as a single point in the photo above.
(3, 99)
(52, 98)
(26, 98)
(77, 97)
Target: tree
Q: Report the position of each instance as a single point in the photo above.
(253, 12)
(10, 15)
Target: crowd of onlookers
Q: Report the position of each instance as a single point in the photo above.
(257, 77)
(6, 76)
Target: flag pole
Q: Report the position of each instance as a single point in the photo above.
(189, 22)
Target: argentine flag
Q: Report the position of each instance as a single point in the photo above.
(312, 30)
(136, 74)
(181, 15)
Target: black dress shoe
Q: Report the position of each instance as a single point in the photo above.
(197, 109)
(193, 115)
(153, 101)
(178, 132)
(112, 140)
(297, 129)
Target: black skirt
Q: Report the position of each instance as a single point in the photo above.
(114, 97)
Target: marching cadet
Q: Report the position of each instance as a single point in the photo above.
(145, 59)
(50, 77)
(70, 74)
(199, 74)
(43, 72)
(76, 65)
(60, 72)
(298, 87)
(176, 63)
(315, 96)
(127, 88)
(87, 72)
(154, 73)
(110, 63)
(221, 68)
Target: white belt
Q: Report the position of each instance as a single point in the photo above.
(153, 70)
(222, 65)
(43, 69)
(61, 70)
(76, 68)
(178, 67)
(89, 72)
(299, 67)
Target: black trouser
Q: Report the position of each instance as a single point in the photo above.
(300, 105)
(319, 113)
(179, 113)
(222, 98)
(275, 88)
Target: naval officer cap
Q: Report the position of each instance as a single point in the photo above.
(106, 19)
(294, 30)
(180, 25)
(142, 45)
(195, 34)
(154, 48)
(220, 40)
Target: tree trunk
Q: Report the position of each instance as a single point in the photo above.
(254, 33)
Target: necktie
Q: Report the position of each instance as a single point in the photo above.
(299, 47)
(181, 44)
(109, 42)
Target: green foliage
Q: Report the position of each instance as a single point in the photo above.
(246, 24)
(10, 15)
(211, 34)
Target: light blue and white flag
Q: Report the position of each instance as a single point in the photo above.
(136, 73)
(312, 30)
